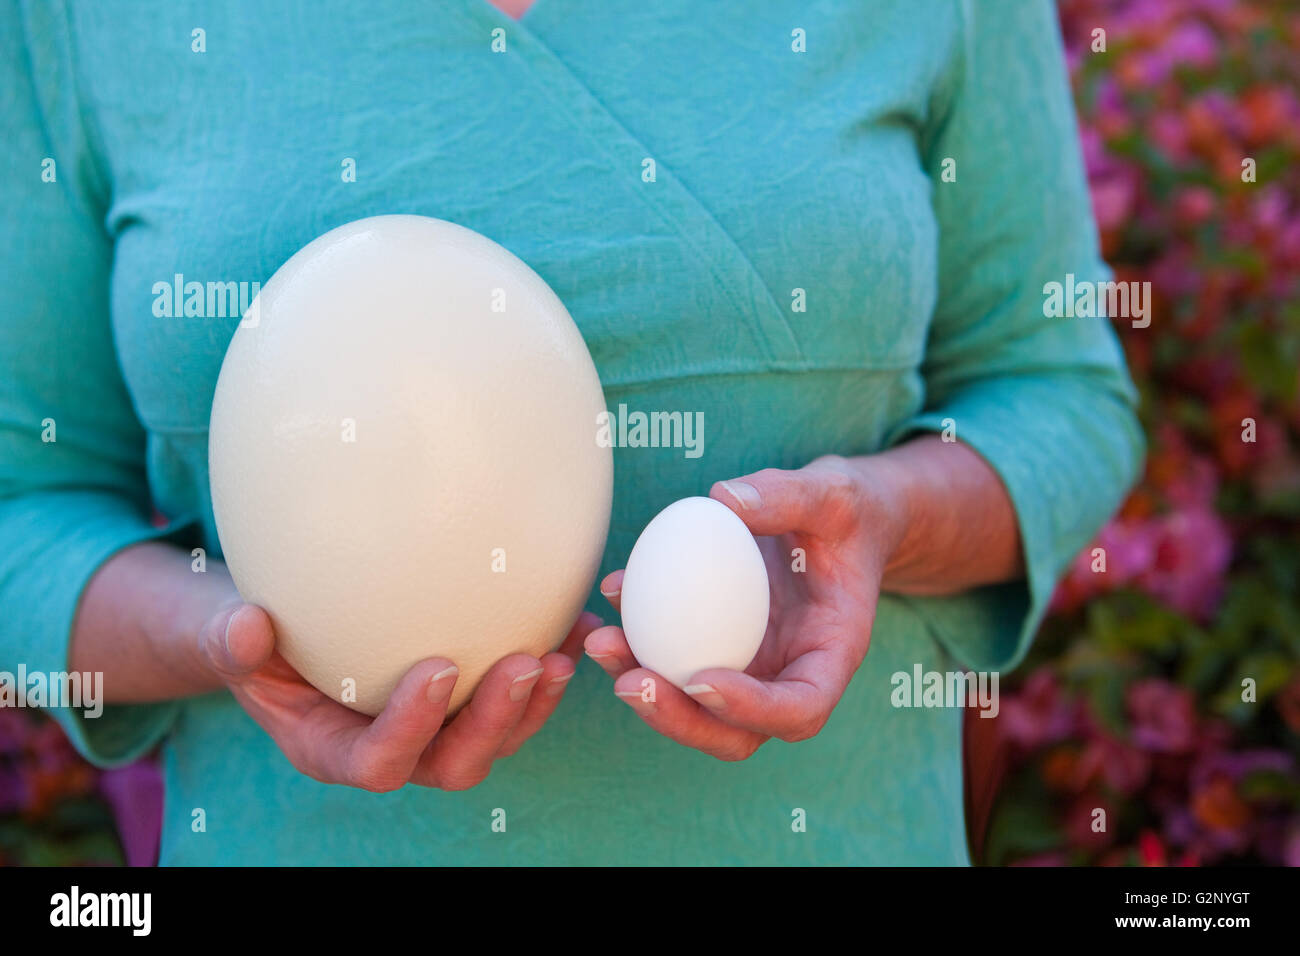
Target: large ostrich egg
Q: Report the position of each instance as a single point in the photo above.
(403, 458)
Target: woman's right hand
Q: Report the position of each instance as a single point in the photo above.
(406, 742)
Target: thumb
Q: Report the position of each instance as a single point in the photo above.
(237, 641)
(811, 500)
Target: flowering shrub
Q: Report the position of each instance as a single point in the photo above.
(49, 810)
(1165, 690)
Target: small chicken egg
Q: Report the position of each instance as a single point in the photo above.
(695, 592)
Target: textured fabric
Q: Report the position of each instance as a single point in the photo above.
(774, 171)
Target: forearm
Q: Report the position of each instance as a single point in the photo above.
(958, 525)
(138, 623)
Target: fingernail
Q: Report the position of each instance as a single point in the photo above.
(230, 622)
(636, 701)
(610, 594)
(706, 695)
(745, 493)
(522, 685)
(440, 685)
(556, 686)
(606, 661)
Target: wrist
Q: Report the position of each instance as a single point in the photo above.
(888, 508)
(951, 524)
(184, 600)
(204, 597)
(138, 620)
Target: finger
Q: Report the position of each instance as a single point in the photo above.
(573, 642)
(612, 589)
(462, 754)
(557, 670)
(794, 706)
(608, 647)
(817, 499)
(383, 755)
(237, 641)
(675, 715)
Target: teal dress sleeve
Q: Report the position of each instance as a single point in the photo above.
(1046, 401)
(72, 482)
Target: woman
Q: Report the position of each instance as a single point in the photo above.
(828, 232)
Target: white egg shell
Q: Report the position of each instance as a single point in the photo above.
(695, 591)
(383, 442)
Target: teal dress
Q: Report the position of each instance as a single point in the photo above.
(827, 227)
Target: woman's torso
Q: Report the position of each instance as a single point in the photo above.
(776, 276)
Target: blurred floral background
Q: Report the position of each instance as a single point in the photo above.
(1133, 699)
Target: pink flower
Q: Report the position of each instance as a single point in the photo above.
(1112, 200)
(1194, 205)
(1163, 716)
(1269, 212)
(1169, 132)
(1123, 768)
(1193, 549)
(1174, 273)
(1217, 7)
(1150, 68)
(1196, 486)
(1095, 156)
(1038, 714)
(1130, 550)
(1144, 15)
(1192, 43)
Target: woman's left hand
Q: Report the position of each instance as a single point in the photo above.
(847, 526)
